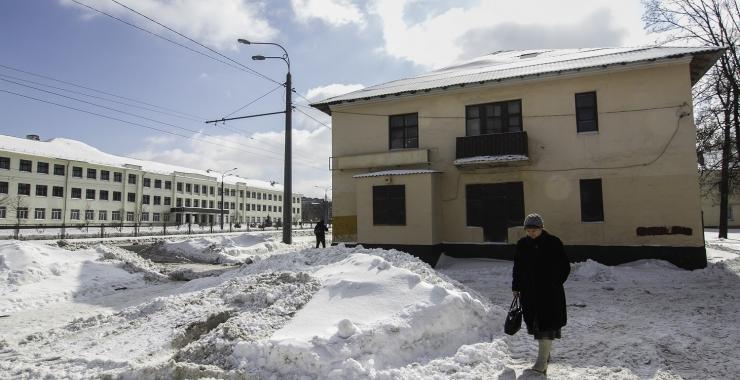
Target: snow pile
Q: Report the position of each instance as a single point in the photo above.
(370, 316)
(33, 274)
(233, 249)
(131, 262)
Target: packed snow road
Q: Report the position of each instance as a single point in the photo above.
(296, 312)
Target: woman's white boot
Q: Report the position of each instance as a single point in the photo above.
(543, 355)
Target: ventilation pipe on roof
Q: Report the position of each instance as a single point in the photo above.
(33, 137)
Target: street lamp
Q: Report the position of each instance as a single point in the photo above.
(287, 181)
(326, 203)
(223, 175)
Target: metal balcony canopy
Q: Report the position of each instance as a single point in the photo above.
(527, 64)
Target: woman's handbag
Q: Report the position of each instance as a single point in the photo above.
(514, 318)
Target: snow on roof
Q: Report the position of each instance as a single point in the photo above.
(484, 159)
(506, 65)
(396, 172)
(68, 149)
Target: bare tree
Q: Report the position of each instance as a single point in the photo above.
(717, 96)
(13, 206)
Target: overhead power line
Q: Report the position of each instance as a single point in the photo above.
(278, 156)
(253, 101)
(199, 118)
(251, 70)
(313, 118)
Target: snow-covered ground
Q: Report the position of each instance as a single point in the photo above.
(353, 313)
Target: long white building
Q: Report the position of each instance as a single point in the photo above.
(63, 181)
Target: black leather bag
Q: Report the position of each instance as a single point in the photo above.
(514, 318)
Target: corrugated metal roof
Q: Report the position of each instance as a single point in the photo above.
(506, 65)
(396, 172)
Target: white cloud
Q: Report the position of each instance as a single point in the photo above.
(324, 92)
(214, 23)
(258, 156)
(434, 40)
(333, 12)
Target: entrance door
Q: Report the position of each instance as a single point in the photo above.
(495, 208)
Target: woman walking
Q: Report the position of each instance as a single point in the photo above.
(540, 269)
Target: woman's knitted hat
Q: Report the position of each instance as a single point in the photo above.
(533, 220)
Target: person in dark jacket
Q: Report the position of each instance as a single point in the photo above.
(319, 230)
(540, 270)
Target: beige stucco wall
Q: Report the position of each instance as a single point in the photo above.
(645, 193)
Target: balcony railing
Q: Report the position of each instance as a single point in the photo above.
(495, 144)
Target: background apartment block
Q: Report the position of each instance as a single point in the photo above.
(601, 142)
(64, 181)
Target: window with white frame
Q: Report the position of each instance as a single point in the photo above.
(102, 215)
(39, 213)
(21, 213)
(129, 216)
(56, 213)
(89, 214)
(115, 215)
(74, 214)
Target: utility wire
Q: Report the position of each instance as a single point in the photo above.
(99, 91)
(277, 155)
(251, 70)
(253, 101)
(313, 118)
(99, 97)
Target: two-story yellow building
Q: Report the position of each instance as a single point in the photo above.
(600, 142)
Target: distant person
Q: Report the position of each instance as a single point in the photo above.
(540, 270)
(320, 231)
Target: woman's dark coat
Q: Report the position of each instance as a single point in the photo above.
(540, 269)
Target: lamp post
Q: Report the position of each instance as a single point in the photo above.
(287, 180)
(326, 202)
(223, 175)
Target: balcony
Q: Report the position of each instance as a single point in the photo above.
(494, 149)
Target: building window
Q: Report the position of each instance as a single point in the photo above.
(21, 213)
(155, 217)
(89, 214)
(145, 199)
(103, 195)
(56, 214)
(24, 189)
(233, 192)
(129, 216)
(389, 205)
(41, 190)
(117, 196)
(210, 204)
(211, 190)
(89, 193)
(248, 193)
(157, 200)
(4, 162)
(178, 202)
(76, 193)
(39, 213)
(196, 189)
(241, 193)
(233, 205)
(157, 183)
(499, 117)
(168, 185)
(495, 207)
(76, 172)
(204, 189)
(269, 208)
(269, 197)
(259, 196)
(102, 215)
(403, 131)
(25, 166)
(167, 201)
(92, 173)
(188, 188)
(42, 167)
(220, 191)
(58, 169)
(147, 182)
(3, 210)
(587, 116)
(115, 215)
(179, 187)
(3, 187)
(57, 191)
(219, 205)
(131, 197)
(117, 177)
(132, 179)
(104, 175)
(144, 216)
(74, 214)
(166, 217)
(187, 202)
(196, 203)
(592, 203)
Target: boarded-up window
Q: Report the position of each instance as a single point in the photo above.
(592, 203)
(389, 205)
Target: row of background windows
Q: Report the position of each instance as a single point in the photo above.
(74, 214)
(489, 118)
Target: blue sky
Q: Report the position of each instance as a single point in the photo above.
(334, 45)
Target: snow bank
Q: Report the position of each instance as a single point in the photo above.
(232, 249)
(369, 315)
(33, 274)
